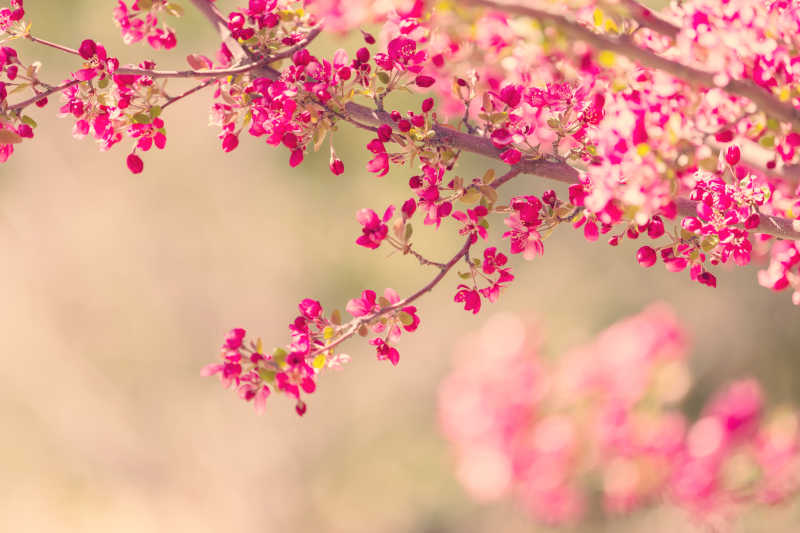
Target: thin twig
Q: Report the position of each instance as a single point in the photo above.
(357, 323)
(44, 94)
(220, 73)
(184, 94)
(53, 45)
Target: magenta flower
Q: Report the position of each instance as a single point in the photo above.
(469, 297)
(374, 229)
(364, 305)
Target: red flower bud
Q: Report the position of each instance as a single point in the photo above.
(646, 256)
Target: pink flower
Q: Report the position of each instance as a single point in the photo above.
(374, 229)
(469, 297)
(364, 305)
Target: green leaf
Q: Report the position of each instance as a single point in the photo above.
(141, 118)
(103, 83)
(405, 318)
(155, 111)
(488, 192)
(709, 243)
(383, 76)
(409, 232)
(266, 375)
(175, 10)
(471, 196)
(29, 121)
(279, 355)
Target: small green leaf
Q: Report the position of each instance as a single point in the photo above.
(103, 83)
(383, 302)
(383, 76)
(488, 192)
(175, 10)
(155, 111)
(409, 232)
(336, 317)
(141, 118)
(279, 355)
(471, 196)
(266, 375)
(709, 243)
(405, 318)
(29, 121)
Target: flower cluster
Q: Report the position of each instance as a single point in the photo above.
(293, 369)
(290, 370)
(603, 418)
(140, 21)
(394, 318)
(726, 212)
(782, 272)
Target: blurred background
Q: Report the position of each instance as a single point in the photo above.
(116, 289)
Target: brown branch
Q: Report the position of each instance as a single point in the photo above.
(558, 171)
(58, 88)
(357, 323)
(765, 100)
(553, 170)
(186, 93)
(647, 18)
(212, 14)
(57, 46)
(219, 73)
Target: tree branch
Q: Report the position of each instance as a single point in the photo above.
(647, 18)
(212, 14)
(219, 73)
(32, 100)
(765, 100)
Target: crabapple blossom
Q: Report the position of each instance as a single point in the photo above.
(680, 128)
(603, 418)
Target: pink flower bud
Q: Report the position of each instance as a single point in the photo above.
(427, 105)
(646, 256)
(337, 166)
(135, 163)
(87, 49)
(732, 155)
(424, 81)
(752, 221)
(656, 228)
